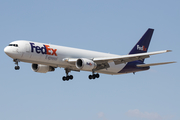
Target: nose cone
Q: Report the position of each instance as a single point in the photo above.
(12, 52)
(7, 50)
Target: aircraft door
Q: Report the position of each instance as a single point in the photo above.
(26, 51)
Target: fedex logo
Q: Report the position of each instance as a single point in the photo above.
(89, 63)
(141, 48)
(44, 50)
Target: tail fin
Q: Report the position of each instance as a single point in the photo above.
(143, 44)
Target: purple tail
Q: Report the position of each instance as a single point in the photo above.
(143, 44)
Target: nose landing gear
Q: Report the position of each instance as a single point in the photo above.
(16, 62)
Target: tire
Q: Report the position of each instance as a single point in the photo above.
(71, 77)
(97, 75)
(67, 78)
(90, 77)
(17, 67)
(93, 76)
(64, 78)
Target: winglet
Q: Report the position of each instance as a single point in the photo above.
(169, 50)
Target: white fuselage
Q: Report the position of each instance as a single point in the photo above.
(54, 55)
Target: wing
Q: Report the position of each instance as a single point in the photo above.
(102, 62)
(128, 58)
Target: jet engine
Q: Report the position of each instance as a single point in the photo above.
(42, 68)
(85, 64)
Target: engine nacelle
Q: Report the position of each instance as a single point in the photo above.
(42, 68)
(85, 64)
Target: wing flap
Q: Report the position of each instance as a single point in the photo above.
(124, 60)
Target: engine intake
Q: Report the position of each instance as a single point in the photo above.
(85, 64)
(42, 68)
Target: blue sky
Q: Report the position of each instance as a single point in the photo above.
(100, 25)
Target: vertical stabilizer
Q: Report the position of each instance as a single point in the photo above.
(143, 44)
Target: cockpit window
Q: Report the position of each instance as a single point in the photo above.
(15, 45)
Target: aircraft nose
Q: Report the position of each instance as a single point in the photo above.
(7, 50)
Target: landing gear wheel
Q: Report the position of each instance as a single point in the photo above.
(67, 77)
(70, 77)
(64, 78)
(16, 67)
(97, 75)
(94, 76)
(90, 77)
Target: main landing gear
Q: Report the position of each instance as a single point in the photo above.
(94, 76)
(67, 77)
(70, 77)
(16, 62)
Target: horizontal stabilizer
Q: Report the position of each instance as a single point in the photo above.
(153, 64)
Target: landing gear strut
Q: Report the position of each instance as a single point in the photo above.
(94, 76)
(67, 77)
(16, 62)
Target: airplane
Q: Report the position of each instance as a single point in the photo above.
(47, 57)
